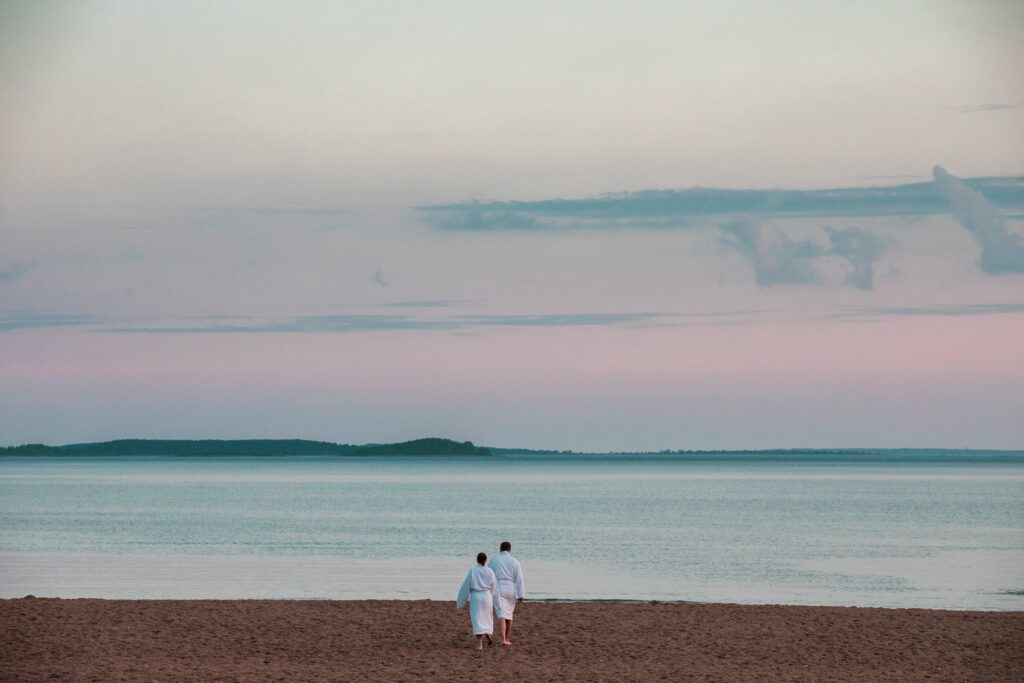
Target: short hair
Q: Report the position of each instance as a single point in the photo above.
(506, 545)
(481, 558)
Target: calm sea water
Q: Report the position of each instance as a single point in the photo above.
(911, 532)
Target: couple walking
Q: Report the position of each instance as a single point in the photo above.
(498, 587)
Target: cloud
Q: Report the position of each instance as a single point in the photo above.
(20, 320)
(12, 271)
(777, 259)
(978, 108)
(480, 217)
(1001, 250)
(861, 249)
(557, 319)
(940, 310)
(312, 323)
(429, 303)
(378, 278)
(12, 321)
(379, 323)
(670, 209)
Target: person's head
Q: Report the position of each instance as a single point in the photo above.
(505, 545)
(481, 558)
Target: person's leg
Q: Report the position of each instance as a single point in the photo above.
(480, 642)
(504, 638)
(508, 631)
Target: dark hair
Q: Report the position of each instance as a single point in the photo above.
(481, 558)
(506, 545)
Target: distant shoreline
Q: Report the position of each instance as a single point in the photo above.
(532, 601)
(248, 447)
(440, 447)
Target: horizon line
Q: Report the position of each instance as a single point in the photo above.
(852, 450)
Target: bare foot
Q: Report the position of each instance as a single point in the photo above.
(507, 643)
(490, 641)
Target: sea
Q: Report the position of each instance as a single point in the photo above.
(923, 529)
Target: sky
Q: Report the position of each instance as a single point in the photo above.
(571, 225)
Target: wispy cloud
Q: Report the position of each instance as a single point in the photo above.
(481, 216)
(312, 323)
(429, 303)
(665, 209)
(861, 249)
(779, 259)
(374, 323)
(1001, 250)
(18, 320)
(556, 319)
(979, 108)
(460, 324)
(934, 310)
(12, 271)
(776, 258)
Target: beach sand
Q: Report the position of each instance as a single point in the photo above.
(171, 640)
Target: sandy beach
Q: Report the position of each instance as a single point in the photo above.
(157, 640)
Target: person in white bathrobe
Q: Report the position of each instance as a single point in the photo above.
(511, 589)
(479, 589)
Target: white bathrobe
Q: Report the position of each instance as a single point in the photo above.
(479, 589)
(510, 584)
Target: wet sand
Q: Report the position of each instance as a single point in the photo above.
(169, 640)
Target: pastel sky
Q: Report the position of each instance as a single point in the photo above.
(578, 225)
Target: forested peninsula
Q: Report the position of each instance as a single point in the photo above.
(247, 447)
